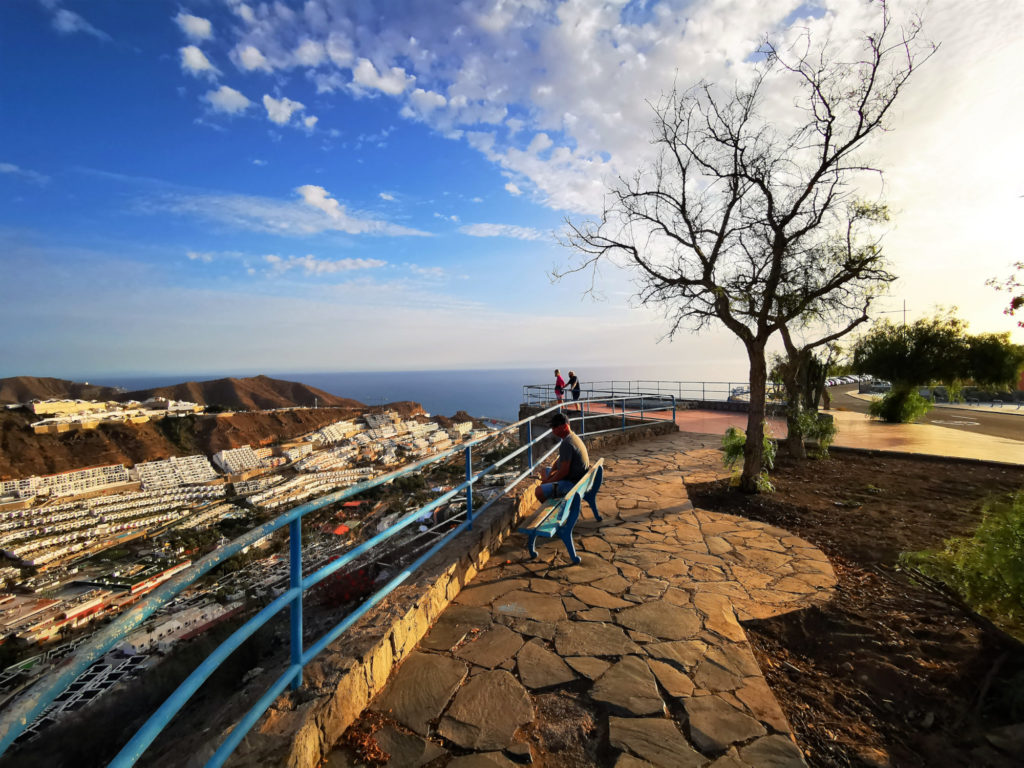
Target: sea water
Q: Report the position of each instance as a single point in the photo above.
(481, 393)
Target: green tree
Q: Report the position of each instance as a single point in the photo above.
(934, 350)
(729, 225)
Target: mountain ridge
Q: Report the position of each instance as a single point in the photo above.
(247, 393)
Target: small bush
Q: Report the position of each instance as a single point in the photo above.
(987, 568)
(900, 406)
(733, 443)
(818, 429)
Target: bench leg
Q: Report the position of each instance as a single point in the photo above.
(566, 537)
(531, 544)
(592, 501)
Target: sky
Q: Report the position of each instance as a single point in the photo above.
(222, 187)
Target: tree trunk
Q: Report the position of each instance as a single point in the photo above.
(754, 449)
(794, 379)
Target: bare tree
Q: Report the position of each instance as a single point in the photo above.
(730, 224)
(833, 315)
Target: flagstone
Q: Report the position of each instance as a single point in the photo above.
(613, 585)
(491, 648)
(715, 725)
(584, 638)
(676, 683)
(683, 653)
(654, 739)
(487, 711)
(773, 751)
(598, 598)
(488, 593)
(453, 626)
(529, 627)
(761, 702)
(588, 666)
(418, 693)
(663, 620)
(540, 668)
(529, 605)
(628, 688)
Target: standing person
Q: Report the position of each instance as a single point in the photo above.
(574, 386)
(571, 465)
(559, 386)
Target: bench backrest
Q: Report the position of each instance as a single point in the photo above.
(590, 482)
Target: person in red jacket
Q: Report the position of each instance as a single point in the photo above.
(559, 386)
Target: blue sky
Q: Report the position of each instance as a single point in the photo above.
(224, 187)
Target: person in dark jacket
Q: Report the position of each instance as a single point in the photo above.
(572, 464)
(573, 385)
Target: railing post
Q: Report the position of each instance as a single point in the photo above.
(703, 396)
(623, 415)
(469, 488)
(583, 419)
(529, 444)
(641, 407)
(673, 409)
(295, 569)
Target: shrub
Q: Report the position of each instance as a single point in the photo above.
(733, 442)
(987, 568)
(818, 428)
(900, 406)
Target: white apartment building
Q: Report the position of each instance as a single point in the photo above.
(236, 460)
(68, 483)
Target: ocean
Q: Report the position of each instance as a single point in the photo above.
(492, 394)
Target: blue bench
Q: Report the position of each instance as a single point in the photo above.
(557, 517)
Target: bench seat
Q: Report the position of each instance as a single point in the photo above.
(558, 516)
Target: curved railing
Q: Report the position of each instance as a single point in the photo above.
(694, 391)
(32, 704)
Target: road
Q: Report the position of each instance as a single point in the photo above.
(1007, 425)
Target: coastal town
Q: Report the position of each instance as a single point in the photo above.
(80, 546)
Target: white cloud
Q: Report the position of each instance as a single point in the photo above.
(258, 161)
(502, 230)
(392, 82)
(477, 200)
(227, 100)
(199, 256)
(422, 103)
(310, 122)
(317, 212)
(195, 28)
(310, 53)
(280, 111)
(386, 196)
(429, 272)
(513, 189)
(314, 266)
(249, 59)
(195, 63)
(68, 23)
(33, 176)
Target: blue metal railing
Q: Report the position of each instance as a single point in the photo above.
(31, 705)
(698, 391)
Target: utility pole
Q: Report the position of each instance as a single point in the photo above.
(895, 311)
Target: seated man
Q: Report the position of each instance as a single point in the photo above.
(570, 466)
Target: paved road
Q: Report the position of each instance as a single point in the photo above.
(1010, 426)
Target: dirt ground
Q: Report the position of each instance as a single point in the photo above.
(889, 673)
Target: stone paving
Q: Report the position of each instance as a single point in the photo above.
(643, 637)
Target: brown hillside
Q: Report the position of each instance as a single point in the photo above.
(255, 393)
(21, 389)
(24, 453)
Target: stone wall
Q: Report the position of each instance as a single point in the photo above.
(301, 727)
